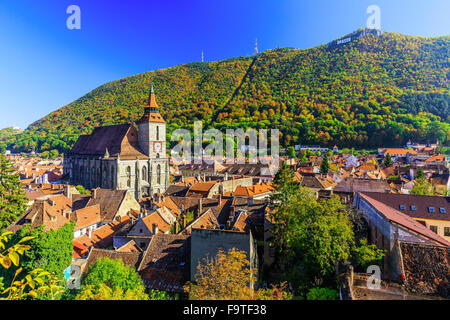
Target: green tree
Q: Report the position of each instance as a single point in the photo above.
(12, 197)
(422, 187)
(34, 284)
(50, 250)
(388, 160)
(284, 184)
(112, 279)
(324, 166)
(322, 294)
(81, 189)
(420, 174)
(311, 237)
(291, 152)
(366, 254)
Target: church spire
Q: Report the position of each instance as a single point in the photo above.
(152, 99)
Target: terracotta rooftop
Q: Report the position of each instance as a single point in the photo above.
(257, 189)
(86, 216)
(103, 236)
(415, 206)
(109, 201)
(49, 213)
(164, 265)
(120, 140)
(131, 259)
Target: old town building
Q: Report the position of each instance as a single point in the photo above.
(124, 156)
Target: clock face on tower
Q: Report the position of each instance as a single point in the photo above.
(157, 146)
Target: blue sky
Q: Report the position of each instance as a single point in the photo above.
(44, 65)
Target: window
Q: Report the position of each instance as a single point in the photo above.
(413, 208)
(128, 170)
(140, 230)
(431, 209)
(447, 231)
(402, 207)
(112, 177)
(158, 174)
(434, 229)
(144, 173)
(157, 132)
(442, 210)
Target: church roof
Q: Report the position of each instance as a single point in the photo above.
(120, 140)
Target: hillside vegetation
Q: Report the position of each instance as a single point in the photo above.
(10, 131)
(377, 90)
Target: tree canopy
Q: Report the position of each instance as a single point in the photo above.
(12, 197)
(112, 280)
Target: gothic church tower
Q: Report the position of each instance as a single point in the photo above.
(152, 141)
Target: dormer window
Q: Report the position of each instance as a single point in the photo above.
(442, 210)
(402, 207)
(413, 208)
(431, 209)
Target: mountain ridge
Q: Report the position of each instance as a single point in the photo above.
(392, 84)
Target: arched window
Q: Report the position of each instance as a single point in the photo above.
(144, 173)
(128, 176)
(112, 177)
(158, 174)
(105, 176)
(81, 174)
(92, 179)
(157, 133)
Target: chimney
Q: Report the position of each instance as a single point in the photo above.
(176, 226)
(51, 201)
(183, 218)
(225, 178)
(94, 193)
(155, 228)
(220, 198)
(200, 207)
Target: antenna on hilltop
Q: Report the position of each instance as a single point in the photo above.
(256, 47)
(202, 57)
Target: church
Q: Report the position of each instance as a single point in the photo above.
(123, 157)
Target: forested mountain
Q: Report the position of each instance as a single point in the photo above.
(9, 131)
(375, 90)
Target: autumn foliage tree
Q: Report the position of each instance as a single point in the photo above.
(36, 283)
(228, 276)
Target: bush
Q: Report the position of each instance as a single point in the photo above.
(322, 294)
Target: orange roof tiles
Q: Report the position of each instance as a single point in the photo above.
(436, 158)
(156, 219)
(256, 189)
(86, 216)
(103, 235)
